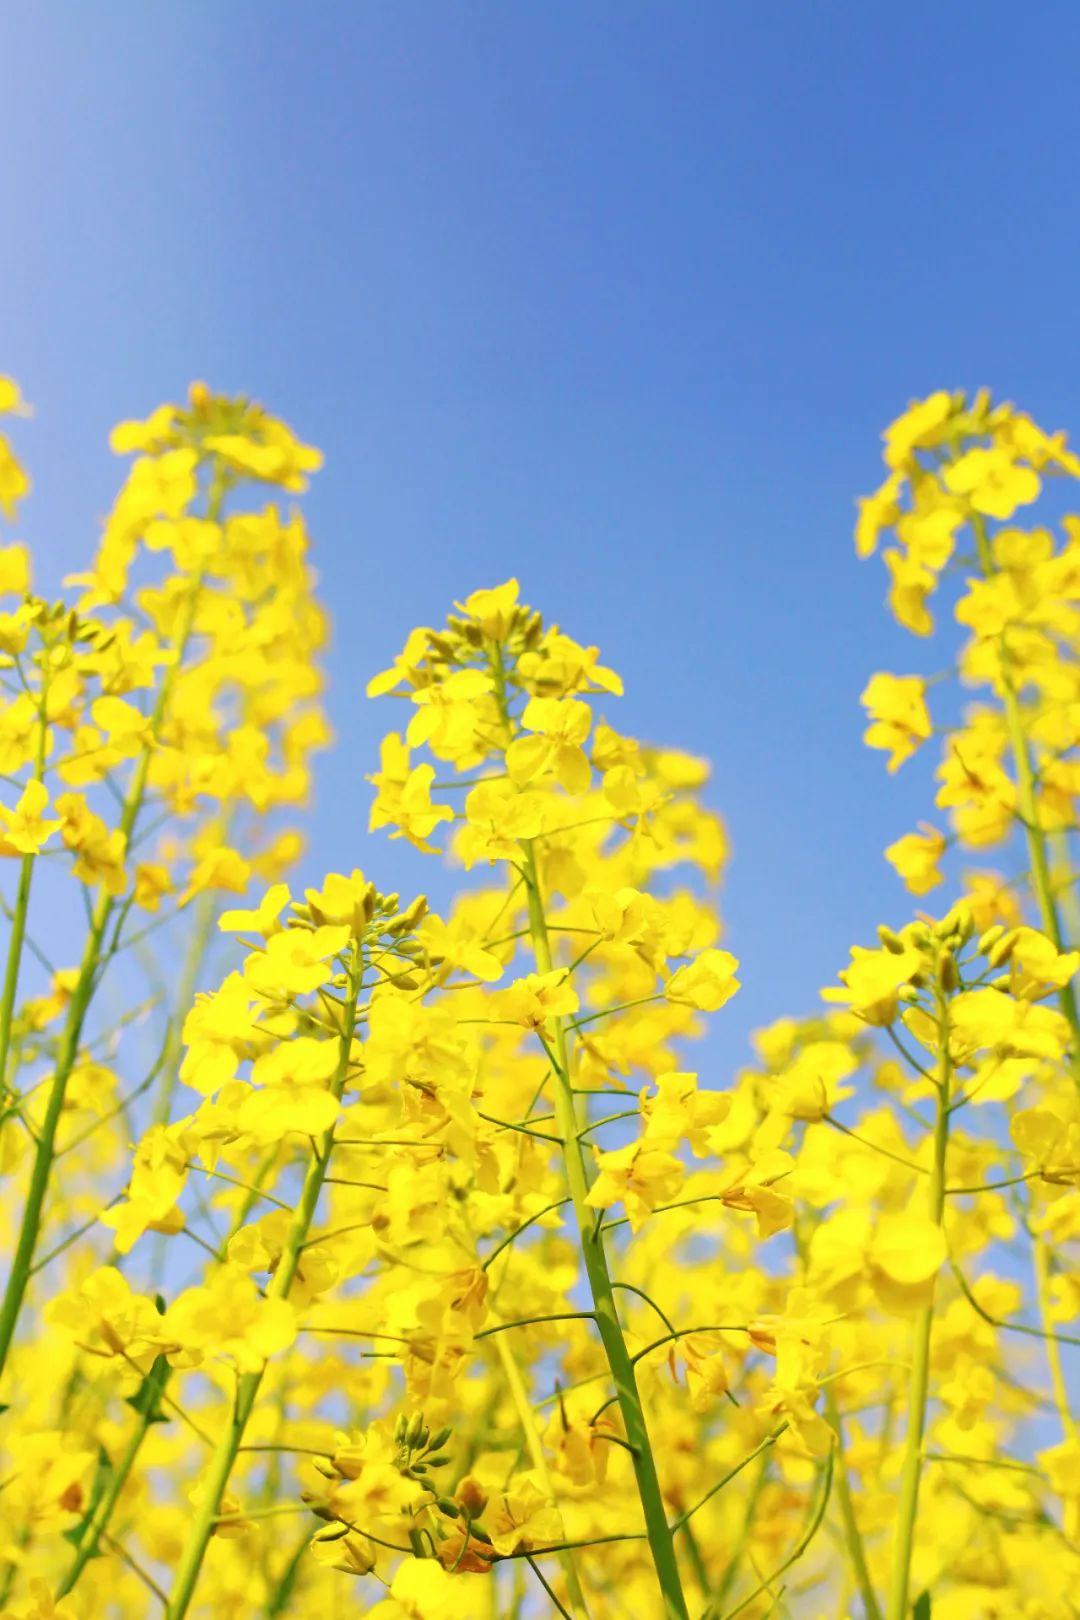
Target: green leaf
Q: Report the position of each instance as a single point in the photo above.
(147, 1398)
(921, 1611)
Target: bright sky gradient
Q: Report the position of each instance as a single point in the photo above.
(613, 296)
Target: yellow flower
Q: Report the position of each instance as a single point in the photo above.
(899, 718)
(263, 920)
(422, 1590)
(24, 830)
(498, 817)
(493, 609)
(905, 1255)
(641, 1176)
(535, 999)
(707, 983)
(559, 728)
(296, 961)
(872, 983)
(995, 483)
(14, 570)
(916, 857)
(226, 1318)
(521, 1518)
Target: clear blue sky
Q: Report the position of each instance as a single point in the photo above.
(614, 296)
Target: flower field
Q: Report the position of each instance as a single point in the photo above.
(362, 1260)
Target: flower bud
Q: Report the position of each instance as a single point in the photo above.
(1000, 953)
(472, 1496)
(414, 1429)
(948, 972)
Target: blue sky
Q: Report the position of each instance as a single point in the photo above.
(616, 297)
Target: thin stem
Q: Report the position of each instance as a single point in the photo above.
(593, 1252)
(519, 1395)
(918, 1389)
(852, 1533)
(95, 1530)
(217, 1475)
(603, 1297)
(793, 1557)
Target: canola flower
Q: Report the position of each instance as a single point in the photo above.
(382, 1261)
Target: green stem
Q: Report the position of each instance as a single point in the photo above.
(852, 1534)
(918, 1390)
(247, 1389)
(282, 1594)
(160, 1375)
(520, 1397)
(99, 1522)
(600, 1287)
(620, 1362)
(1028, 807)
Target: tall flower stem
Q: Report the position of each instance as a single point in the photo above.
(598, 1276)
(590, 1235)
(918, 1389)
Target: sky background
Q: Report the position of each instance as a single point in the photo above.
(615, 297)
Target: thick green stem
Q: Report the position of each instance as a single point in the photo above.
(1027, 804)
(918, 1389)
(619, 1359)
(247, 1389)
